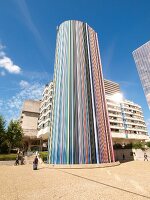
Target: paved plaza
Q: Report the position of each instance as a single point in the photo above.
(127, 181)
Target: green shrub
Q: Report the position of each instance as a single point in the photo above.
(138, 145)
(120, 146)
(148, 144)
(117, 146)
(128, 146)
(43, 155)
(4, 147)
(5, 157)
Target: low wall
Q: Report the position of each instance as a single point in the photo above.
(139, 154)
(130, 154)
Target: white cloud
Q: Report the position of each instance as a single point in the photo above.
(24, 84)
(7, 64)
(11, 108)
(127, 83)
(2, 54)
(2, 47)
(33, 91)
(2, 73)
(37, 75)
(25, 12)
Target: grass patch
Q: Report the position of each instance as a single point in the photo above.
(6, 157)
(43, 155)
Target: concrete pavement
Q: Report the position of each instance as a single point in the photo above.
(127, 181)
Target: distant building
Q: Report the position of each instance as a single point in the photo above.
(142, 61)
(29, 120)
(111, 87)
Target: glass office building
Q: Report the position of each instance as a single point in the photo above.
(142, 61)
(81, 131)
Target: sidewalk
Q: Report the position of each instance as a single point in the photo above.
(127, 181)
(10, 162)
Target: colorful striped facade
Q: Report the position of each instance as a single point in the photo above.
(80, 132)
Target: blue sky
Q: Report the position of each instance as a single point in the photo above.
(28, 36)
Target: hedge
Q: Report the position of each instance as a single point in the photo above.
(148, 144)
(5, 157)
(43, 155)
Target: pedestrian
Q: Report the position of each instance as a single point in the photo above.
(145, 157)
(21, 158)
(17, 160)
(35, 163)
(123, 156)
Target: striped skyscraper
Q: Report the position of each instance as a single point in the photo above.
(80, 132)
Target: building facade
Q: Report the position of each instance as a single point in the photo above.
(29, 119)
(81, 131)
(111, 87)
(142, 61)
(125, 117)
(45, 118)
(126, 122)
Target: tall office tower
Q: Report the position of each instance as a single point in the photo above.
(142, 61)
(81, 132)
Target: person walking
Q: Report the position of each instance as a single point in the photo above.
(123, 156)
(145, 157)
(17, 160)
(35, 163)
(21, 157)
(22, 160)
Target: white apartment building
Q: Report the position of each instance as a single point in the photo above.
(126, 118)
(126, 121)
(45, 119)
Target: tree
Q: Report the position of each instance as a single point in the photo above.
(148, 144)
(117, 146)
(14, 135)
(139, 145)
(2, 132)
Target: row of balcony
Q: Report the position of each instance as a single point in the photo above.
(129, 136)
(46, 101)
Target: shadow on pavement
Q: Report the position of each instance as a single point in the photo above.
(107, 185)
